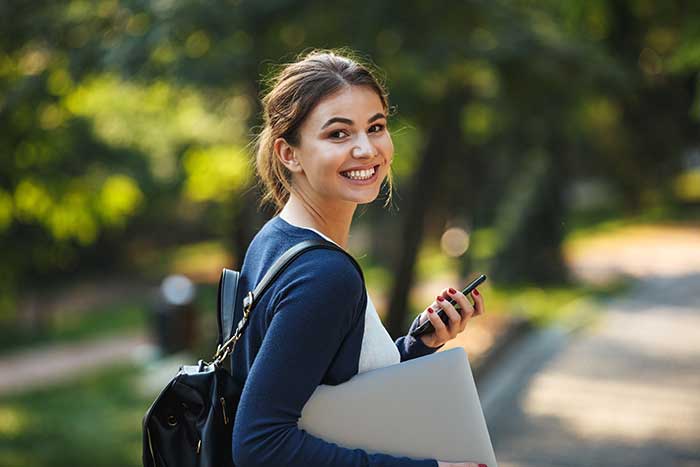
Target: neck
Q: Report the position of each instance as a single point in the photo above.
(331, 220)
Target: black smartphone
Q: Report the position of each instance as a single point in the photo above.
(427, 326)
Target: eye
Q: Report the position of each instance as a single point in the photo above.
(338, 134)
(377, 127)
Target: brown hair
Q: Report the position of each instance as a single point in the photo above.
(292, 93)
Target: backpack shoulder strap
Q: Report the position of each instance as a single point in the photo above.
(228, 303)
(225, 303)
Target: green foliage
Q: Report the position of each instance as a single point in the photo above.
(157, 118)
(122, 119)
(407, 141)
(214, 172)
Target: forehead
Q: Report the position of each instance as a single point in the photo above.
(357, 103)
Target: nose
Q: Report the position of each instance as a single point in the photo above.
(364, 147)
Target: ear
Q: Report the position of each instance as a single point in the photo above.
(287, 154)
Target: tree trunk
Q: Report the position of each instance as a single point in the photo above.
(532, 223)
(425, 184)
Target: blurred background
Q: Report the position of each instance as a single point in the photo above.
(551, 145)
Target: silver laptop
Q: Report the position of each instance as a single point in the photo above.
(425, 408)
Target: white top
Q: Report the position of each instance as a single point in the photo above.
(378, 350)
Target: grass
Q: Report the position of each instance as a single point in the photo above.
(108, 320)
(543, 306)
(93, 421)
(76, 326)
(584, 224)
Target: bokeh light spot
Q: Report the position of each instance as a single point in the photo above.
(197, 44)
(213, 172)
(120, 196)
(454, 242)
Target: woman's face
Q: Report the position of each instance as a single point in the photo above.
(345, 149)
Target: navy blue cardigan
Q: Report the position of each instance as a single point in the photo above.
(306, 330)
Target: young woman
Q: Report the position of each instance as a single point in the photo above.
(324, 149)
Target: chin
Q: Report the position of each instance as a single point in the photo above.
(370, 198)
(362, 196)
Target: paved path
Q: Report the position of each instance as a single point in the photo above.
(37, 367)
(622, 392)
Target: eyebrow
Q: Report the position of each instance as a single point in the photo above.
(374, 117)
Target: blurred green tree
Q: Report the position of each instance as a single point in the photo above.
(121, 119)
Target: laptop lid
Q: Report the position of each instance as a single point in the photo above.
(427, 407)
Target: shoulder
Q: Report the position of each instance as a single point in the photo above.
(326, 268)
(321, 279)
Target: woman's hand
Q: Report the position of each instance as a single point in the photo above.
(460, 464)
(458, 320)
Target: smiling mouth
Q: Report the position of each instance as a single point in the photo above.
(361, 174)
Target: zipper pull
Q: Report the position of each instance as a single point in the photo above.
(223, 406)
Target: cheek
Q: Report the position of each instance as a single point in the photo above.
(387, 146)
(319, 156)
(326, 160)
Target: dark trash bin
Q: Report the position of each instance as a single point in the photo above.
(174, 319)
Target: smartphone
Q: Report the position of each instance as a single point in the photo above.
(427, 326)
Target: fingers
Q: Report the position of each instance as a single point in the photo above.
(462, 301)
(441, 332)
(455, 318)
(478, 302)
(458, 314)
(458, 320)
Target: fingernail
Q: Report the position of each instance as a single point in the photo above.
(452, 291)
(475, 292)
(440, 299)
(430, 310)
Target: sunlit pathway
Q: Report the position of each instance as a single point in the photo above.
(54, 363)
(625, 392)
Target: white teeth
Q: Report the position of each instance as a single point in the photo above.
(359, 174)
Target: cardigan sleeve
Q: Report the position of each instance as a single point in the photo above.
(313, 312)
(410, 347)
